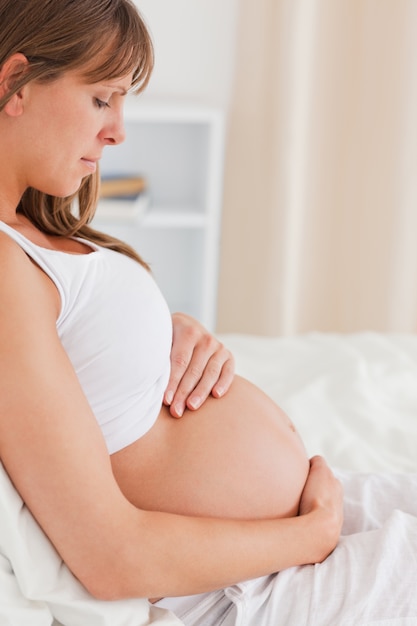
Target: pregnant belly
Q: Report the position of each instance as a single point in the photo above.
(238, 456)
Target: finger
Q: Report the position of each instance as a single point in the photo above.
(216, 381)
(196, 371)
(202, 374)
(226, 378)
(179, 362)
(204, 388)
(317, 461)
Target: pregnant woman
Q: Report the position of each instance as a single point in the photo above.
(137, 502)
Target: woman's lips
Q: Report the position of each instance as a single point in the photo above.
(90, 163)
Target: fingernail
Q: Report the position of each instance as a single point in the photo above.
(194, 402)
(169, 397)
(178, 410)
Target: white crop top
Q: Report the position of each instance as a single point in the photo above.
(116, 329)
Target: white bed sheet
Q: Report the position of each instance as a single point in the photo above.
(353, 398)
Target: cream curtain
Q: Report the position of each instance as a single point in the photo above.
(320, 207)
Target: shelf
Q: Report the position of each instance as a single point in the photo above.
(178, 150)
(122, 210)
(127, 213)
(172, 156)
(173, 219)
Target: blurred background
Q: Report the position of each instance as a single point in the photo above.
(319, 215)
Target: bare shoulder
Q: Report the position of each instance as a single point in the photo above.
(10, 255)
(22, 282)
(9, 250)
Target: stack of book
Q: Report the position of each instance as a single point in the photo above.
(122, 196)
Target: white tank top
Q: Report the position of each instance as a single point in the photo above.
(116, 329)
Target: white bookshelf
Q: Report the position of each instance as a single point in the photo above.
(179, 149)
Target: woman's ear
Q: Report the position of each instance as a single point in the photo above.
(10, 72)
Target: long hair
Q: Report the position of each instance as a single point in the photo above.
(61, 35)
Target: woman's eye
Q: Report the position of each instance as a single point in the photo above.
(101, 104)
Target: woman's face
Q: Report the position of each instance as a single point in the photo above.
(68, 122)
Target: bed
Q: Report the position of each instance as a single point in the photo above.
(353, 399)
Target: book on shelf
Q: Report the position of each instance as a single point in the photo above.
(122, 197)
(122, 187)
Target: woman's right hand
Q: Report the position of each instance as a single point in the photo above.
(322, 499)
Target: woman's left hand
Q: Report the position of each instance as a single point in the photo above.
(200, 366)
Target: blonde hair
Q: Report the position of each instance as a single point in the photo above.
(61, 35)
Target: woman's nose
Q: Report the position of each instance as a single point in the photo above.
(114, 132)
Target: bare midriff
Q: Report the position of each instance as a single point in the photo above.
(238, 457)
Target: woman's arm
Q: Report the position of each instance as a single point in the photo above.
(200, 366)
(53, 450)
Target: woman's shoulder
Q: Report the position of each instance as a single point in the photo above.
(13, 260)
(22, 282)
